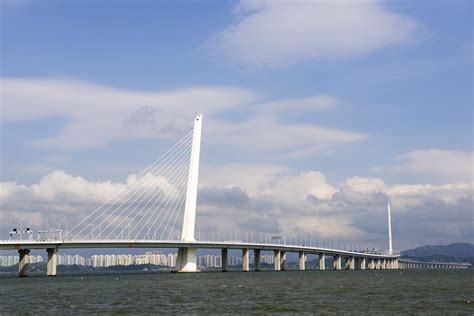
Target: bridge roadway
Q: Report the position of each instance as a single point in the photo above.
(354, 259)
(415, 264)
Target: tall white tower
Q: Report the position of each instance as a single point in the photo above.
(191, 192)
(186, 261)
(390, 249)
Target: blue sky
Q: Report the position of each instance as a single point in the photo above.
(391, 81)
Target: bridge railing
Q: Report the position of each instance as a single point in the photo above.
(238, 237)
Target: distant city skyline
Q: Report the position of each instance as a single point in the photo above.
(310, 126)
(149, 257)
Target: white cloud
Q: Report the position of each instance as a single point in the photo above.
(279, 203)
(9, 188)
(410, 194)
(299, 106)
(268, 136)
(96, 115)
(446, 165)
(359, 184)
(252, 177)
(296, 188)
(278, 33)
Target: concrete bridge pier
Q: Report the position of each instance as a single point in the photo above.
(277, 260)
(245, 260)
(52, 261)
(23, 262)
(256, 259)
(186, 261)
(224, 256)
(302, 257)
(283, 261)
(337, 262)
(351, 263)
(361, 263)
(322, 262)
(395, 264)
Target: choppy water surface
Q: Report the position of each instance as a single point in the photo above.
(382, 292)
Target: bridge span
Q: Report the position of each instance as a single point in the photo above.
(404, 263)
(342, 259)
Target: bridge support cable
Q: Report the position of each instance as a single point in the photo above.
(78, 229)
(170, 207)
(164, 181)
(132, 212)
(165, 176)
(152, 195)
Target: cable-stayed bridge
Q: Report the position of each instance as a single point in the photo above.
(157, 209)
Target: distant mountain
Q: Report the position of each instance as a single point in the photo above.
(456, 250)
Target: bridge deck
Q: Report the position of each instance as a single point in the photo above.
(69, 244)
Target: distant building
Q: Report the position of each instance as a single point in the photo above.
(7, 261)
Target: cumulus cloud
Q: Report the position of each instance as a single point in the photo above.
(252, 177)
(294, 188)
(290, 205)
(61, 197)
(446, 165)
(278, 33)
(360, 184)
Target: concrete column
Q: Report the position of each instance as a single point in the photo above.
(187, 260)
(362, 263)
(225, 259)
(256, 258)
(370, 264)
(277, 260)
(302, 257)
(23, 262)
(283, 261)
(351, 265)
(52, 261)
(337, 262)
(378, 264)
(322, 262)
(245, 260)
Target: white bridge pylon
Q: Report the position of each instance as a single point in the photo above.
(187, 260)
